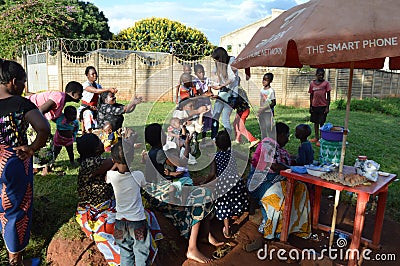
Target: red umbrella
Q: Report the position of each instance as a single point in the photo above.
(329, 34)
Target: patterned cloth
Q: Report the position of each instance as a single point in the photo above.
(16, 176)
(273, 203)
(198, 205)
(97, 222)
(92, 190)
(230, 190)
(112, 113)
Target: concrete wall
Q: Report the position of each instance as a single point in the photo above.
(156, 80)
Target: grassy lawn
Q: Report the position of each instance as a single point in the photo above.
(373, 132)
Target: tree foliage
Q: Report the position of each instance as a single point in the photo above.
(164, 35)
(23, 22)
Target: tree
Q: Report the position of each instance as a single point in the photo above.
(31, 21)
(164, 35)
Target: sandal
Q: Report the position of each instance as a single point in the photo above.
(222, 251)
(254, 245)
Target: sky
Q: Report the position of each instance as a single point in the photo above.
(214, 18)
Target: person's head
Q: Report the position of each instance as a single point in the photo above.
(117, 153)
(186, 104)
(172, 156)
(107, 127)
(187, 69)
(108, 98)
(220, 55)
(12, 76)
(74, 90)
(154, 135)
(175, 122)
(302, 131)
(91, 74)
(199, 71)
(223, 140)
(267, 79)
(186, 80)
(89, 145)
(320, 74)
(70, 113)
(282, 133)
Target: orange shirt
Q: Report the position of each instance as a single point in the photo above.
(185, 92)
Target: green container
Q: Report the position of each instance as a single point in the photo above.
(329, 151)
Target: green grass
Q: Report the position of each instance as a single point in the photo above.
(374, 132)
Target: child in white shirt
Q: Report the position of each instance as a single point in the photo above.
(131, 230)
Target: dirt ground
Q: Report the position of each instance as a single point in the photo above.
(172, 249)
(390, 244)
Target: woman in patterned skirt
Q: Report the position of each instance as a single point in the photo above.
(16, 182)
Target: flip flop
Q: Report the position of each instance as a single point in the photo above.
(222, 251)
(254, 245)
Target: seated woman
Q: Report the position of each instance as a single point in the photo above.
(186, 218)
(269, 188)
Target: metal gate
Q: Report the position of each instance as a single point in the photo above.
(37, 72)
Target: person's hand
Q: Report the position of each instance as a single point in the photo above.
(310, 109)
(166, 172)
(326, 110)
(202, 109)
(209, 94)
(137, 100)
(24, 152)
(113, 90)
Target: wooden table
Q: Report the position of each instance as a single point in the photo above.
(378, 188)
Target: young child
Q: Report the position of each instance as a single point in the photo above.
(203, 88)
(176, 170)
(305, 153)
(108, 136)
(230, 189)
(88, 118)
(186, 68)
(131, 229)
(187, 89)
(67, 128)
(174, 130)
(320, 99)
(267, 104)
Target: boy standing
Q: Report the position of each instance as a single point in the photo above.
(320, 99)
(131, 230)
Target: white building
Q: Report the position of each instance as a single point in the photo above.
(235, 41)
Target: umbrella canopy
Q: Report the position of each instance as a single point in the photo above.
(329, 34)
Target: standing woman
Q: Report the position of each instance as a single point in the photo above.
(51, 104)
(91, 93)
(228, 81)
(16, 182)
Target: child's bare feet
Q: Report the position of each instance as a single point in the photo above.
(213, 241)
(196, 255)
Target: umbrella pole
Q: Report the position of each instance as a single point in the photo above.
(346, 121)
(337, 196)
(343, 152)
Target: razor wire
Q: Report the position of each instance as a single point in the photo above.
(80, 47)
